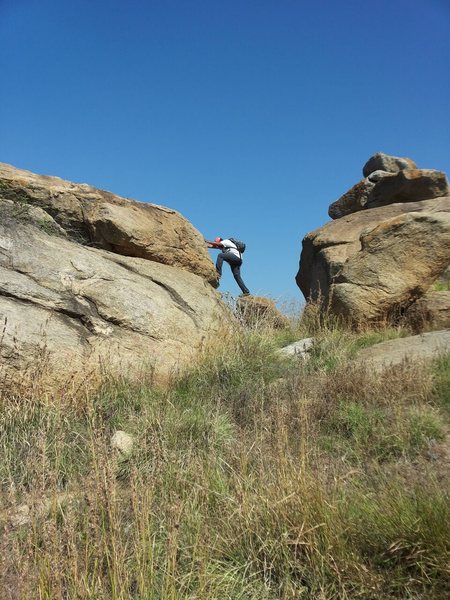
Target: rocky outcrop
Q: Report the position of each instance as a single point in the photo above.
(74, 308)
(386, 251)
(101, 219)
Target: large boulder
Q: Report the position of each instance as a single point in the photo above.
(68, 308)
(398, 261)
(325, 250)
(385, 162)
(103, 220)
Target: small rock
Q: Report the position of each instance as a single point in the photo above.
(21, 516)
(123, 442)
(301, 348)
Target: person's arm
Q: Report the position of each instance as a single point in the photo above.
(216, 245)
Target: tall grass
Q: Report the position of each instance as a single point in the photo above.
(251, 477)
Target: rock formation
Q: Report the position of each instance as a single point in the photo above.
(88, 278)
(388, 243)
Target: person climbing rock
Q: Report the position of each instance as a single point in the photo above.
(231, 252)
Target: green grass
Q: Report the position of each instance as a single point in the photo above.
(441, 388)
(442, 285)
(334, 347)
(251, 477)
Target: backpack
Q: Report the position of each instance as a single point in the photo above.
(239, 245)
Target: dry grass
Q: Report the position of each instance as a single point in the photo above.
(251, 477)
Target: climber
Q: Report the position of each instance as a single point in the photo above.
(232, 254)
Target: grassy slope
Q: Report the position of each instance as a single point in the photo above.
(251, 478)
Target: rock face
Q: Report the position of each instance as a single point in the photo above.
(411, 185)
(387, 245)
(76, 307)
(103, 220)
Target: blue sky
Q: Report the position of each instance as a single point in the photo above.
(248, 116)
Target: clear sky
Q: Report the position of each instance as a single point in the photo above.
(248, 116)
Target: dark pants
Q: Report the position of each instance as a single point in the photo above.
(235, 265)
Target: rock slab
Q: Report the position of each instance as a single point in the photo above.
(414, 348)
(300, 349)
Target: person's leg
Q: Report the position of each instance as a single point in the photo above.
(236, 270)
(219, 262)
